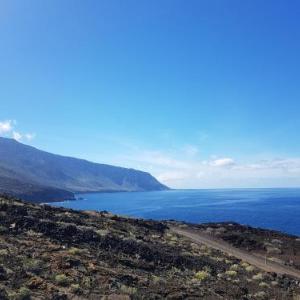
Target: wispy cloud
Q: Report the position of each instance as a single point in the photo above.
(223, 162)
(29, 136)
(16, 135)
(191, 150)
(187, 169)
(8, 129)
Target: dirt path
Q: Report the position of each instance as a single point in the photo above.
(201, 238)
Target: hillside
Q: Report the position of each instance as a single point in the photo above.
(57, 177)
(55, 253)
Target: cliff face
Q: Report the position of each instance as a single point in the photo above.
(55, 253)
(56, 177)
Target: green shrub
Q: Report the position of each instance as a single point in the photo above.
(249, 269)
(263, 284)
(231, 273)
(258, 276)
(202, 275)
(75, 288)
(128, 289)
(87, 282)
(245, 265)
(62, 279)
(234, 267)
(75, 251)
(3, 252)
(155, 279)
(32, 265)
(23, 294)
(261, 295)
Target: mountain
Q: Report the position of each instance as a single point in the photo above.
(33, 174)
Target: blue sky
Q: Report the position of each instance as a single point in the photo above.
(199, 93)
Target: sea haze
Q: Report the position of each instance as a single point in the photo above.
(277, 209)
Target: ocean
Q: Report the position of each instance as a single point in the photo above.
(277, 209)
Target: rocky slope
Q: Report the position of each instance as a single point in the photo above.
(55, 253)
(273, 245)
(33, 174)
(31, 191)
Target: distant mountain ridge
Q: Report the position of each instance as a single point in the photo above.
(37, 175)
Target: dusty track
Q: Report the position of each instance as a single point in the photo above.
(201, 238)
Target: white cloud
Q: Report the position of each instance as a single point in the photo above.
(6, 126)
(7, 129)
(29, 136)
(223, 162)
(178, 170)
(17, 136)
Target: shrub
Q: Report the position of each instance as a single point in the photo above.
(194, 246)
(249, 269)
(202, 275)
(128, 289)
(62, 279)
(23, 294)
(155, 279)
(87, 282)
(102, 232)
(231, 273)
(75, 251)
(218, 259)
(32, 265)
(258, 276)
(3, 252)
(234, 267)
(203, 248)
(261, 295)
(274, 283)
(33, 233)
(75, 288)
(174, 238)
(245, 265)
(264, 285)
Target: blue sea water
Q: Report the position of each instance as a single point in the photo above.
(277, 209)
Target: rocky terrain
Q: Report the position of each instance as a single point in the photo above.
(55, 253)
(273, 245)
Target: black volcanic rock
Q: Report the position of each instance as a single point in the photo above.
(33, 174)
(57, 253)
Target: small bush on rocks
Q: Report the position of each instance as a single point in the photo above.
(231, 273)
(202, 275)
(62, 279)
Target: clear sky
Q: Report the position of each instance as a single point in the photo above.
(201, 93)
